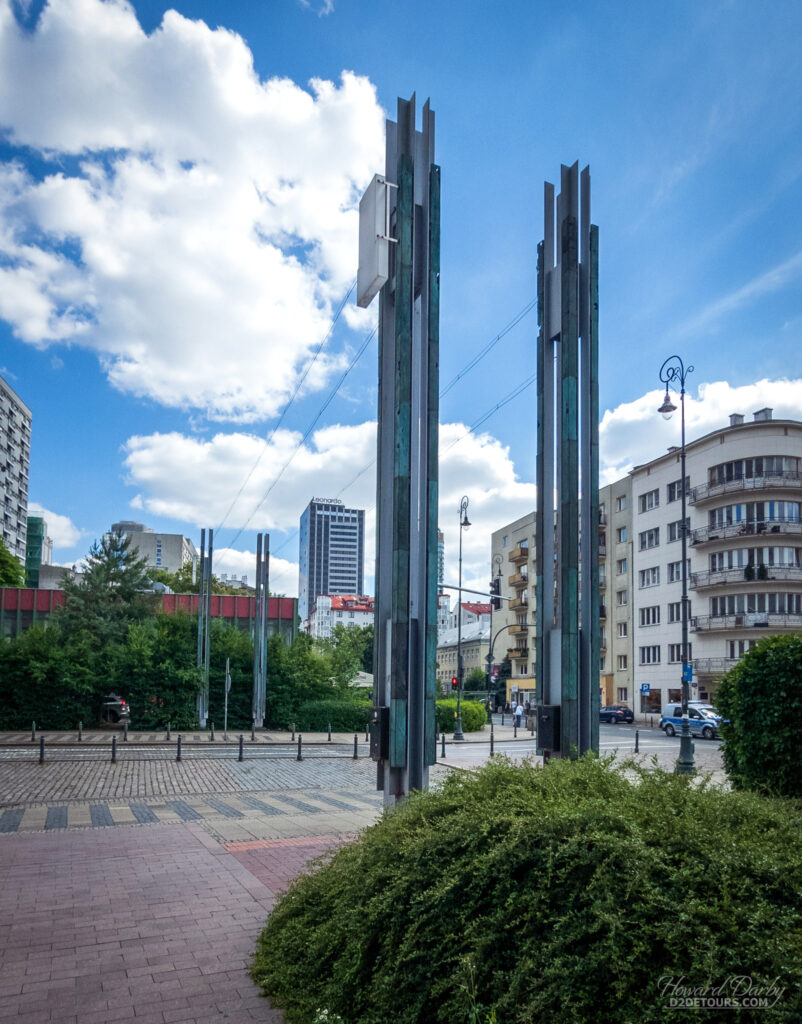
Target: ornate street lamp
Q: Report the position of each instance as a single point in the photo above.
(674, 371)
(464, 523)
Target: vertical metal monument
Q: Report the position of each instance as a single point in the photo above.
(400, 259)
(567, 537)
(259, 702)
(204, 614)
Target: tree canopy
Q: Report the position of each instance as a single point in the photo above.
(11, 572)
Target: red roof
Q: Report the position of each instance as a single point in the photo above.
(476, 608)
(352, 603)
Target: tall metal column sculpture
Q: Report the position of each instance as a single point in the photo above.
(259, 702)
(567, 538)
(400, 259)
(204, 613)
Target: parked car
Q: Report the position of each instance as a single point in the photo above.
(616, 713)
(703, 722)
(114, 709)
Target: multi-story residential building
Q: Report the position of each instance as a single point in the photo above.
(615, 587)
(15, 457)
(340, 609)
(441, 558)
(744, 553)
(443, 614)
(169, 551)
(38, 550)
(471, 613)
(331, 553)
(512, 627)
(473, 645)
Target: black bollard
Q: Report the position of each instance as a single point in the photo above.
(168, 732)
(211, 733)
(502, 718)
(515, 730)
(300, 746)
(492, 742)
(241, 751)
(636, 741)
(178, 747)
(41, 750)
(442, 745)
(125, 732)
(329, 732)
(80, 732)
(33, 732)
(367, 733)
(293, 732)
(114, 750)
(356, 747)
(253, 730)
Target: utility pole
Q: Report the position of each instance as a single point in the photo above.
(204, 614)
(259, 702)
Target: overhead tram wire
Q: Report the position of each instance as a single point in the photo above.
(309, 430)
(286, 408)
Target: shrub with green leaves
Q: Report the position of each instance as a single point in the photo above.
(761, 697)
(474, 716)
(562, 894)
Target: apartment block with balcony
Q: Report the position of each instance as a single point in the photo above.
(615, 587)
(512, 628)
(15, 457)
(744, 552)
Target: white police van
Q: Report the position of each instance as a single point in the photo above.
(703, 722)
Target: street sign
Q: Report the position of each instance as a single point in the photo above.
(645, 688)
(687, 673)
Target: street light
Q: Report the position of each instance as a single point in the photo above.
(464, 523)
(674, 371)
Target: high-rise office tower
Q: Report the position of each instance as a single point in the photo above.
(15, 454)
(332, 552)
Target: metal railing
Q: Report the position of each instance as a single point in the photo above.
(706, 534)
(747, 620)
(771, 481)
(720, 577)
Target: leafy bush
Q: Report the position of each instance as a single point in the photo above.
(529, 894)
(343, 715)
(474, 716)
(762, 698)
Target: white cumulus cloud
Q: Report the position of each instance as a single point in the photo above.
(60, 529)
(199, 223)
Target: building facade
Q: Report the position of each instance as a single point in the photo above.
(339, 609)
(15, 459)
(38, 550)
(616, 596)
(512, 550)
(744, 553)
(331, 553)
(474, 645)
(168, 551)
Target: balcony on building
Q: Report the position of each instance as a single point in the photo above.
(767, 527)
(519, 629)
(518, 580)
(761, 622)
(517, 653)
(724, 577)
(780, 481)
(519, 554)
(519, 603)
(712, 668)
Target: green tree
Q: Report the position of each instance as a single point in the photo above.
(347, 648)
(477, 680)
(11, 572)
(761, 702)
(157, 669)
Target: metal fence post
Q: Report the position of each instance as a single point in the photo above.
(492, 740)
(356, 747)
(80, 732)
(41, 750)
(293, 732)
(300, 747)
(33, 732)
(636, 741)
(241, 756)
(211, 733)
(168, 732)
(253, 730)
(125, 732)
(442, 744)
(178, 748)
(114, 750)
(329, 732)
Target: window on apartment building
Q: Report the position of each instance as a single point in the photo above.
(621, 535)
(675, 652)
(621, 567)
(650, 616)
(621, 503)
(622, 662)
(650, 655)
(649, 538)
(622, 693)
(675, 571)
(649, 577)
(675, 611)
(622, 597)
(522, 668)
(649, 500)
(674, 490)
(675, 530)
(738, 648)
(505, 541)
(622, 629)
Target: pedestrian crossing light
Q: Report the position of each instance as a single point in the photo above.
(454, 682)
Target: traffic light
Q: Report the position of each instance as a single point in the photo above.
(495, 590)
(454, 682)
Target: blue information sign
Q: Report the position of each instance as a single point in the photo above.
(687, 673)
(644, 687)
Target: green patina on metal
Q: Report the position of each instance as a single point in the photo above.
(569, 497)
(540, 626)
(593, 341)
(399, 657)
(430, 682)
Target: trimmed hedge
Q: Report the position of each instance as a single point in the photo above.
(761, 697)
(562, 894)
(344, 716)
(474, 715)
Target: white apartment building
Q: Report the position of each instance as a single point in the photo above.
(15, 457)
(169, 551)
(330, 610)
(615, 592)
(473, 646)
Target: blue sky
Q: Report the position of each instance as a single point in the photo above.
(178, 232)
